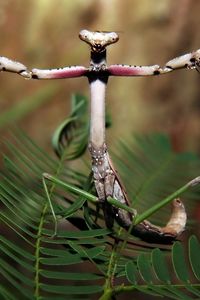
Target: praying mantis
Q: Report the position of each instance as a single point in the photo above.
(106, 180)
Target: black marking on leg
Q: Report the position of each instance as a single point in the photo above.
(21, 71)
(34, 76)
(156, 72)
(197, 65)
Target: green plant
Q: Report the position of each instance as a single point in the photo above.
(37, 264)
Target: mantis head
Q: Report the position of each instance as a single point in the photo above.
(98, 40)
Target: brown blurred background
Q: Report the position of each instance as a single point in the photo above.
(44, 34)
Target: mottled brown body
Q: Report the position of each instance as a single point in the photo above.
(108, 184)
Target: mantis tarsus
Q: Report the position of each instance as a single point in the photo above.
(107, 182)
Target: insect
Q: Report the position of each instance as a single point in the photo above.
(106, 179)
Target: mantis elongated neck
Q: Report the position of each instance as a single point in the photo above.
(97, 111)
(98, 81)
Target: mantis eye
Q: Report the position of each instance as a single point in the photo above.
(84, 35)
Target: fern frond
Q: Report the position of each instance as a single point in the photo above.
(71, 137)
(151, 273)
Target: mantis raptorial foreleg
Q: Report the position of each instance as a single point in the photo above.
(60, 73)
(9, 65)
(186, 61)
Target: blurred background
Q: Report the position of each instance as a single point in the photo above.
(44, 34)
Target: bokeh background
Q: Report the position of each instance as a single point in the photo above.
(44, 34)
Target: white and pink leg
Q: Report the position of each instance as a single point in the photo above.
(188, 61)
(66, 72)
(9, 65)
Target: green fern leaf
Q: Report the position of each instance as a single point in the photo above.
(71, 137)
